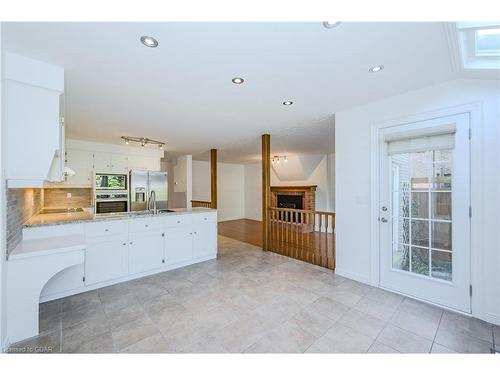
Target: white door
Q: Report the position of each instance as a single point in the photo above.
(424, 212)
(145, 252)
(204, 240)
(178, 245)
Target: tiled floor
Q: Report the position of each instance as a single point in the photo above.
(255, 302)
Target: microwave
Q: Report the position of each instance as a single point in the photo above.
(111, 181)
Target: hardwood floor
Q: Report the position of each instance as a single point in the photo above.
(244, 230)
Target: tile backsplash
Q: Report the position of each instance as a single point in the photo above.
(21, 205)
(58, 198)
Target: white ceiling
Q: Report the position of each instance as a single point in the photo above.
(181, 92)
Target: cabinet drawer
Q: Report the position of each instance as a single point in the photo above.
(106, 228)
(209, 217)
(177, 220)
(145, 224)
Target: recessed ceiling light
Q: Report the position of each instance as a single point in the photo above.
(149, 41)
(288, 102)
(331, 24)
(376, 68)
(238, 80)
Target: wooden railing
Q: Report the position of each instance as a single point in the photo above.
(302, 234)
(204, 204)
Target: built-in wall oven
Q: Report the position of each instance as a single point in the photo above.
(111, 192)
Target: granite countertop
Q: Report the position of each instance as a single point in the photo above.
(39, 220)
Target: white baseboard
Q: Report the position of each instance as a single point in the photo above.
(353, 276)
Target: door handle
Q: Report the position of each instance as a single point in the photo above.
(384, 208)
(383, 220)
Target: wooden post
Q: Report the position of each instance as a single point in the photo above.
(213, 178)
(266, 189)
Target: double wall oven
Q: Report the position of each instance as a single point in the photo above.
(111, 192)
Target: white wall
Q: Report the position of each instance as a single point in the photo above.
(3, 249)
(253, 191)
(182, 179)
(230, 188)
(352, 181)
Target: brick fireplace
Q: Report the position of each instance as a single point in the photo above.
(285, 197)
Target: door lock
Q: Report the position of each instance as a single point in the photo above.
(383, 220)
(384, 208)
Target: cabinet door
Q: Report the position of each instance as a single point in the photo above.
(119, 163)
(79, 161)
(136, 162)
(106, 260)
(102, 161)
(204, 240)
(178, 244)
(145, 251)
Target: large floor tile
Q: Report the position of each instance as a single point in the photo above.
(404, 341)
(461, 342)
(102, 343)
(379, 348)
(467, 326)
(313, 321)
(417, 324)
(128, 314)
(375, 308)
(133, 332)
(87, 329)
(341, 339)
(331, 309)
(151, 344)
(363, 323)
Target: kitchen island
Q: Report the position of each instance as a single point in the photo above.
(106, 249)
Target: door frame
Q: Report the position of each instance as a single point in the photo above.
(474, 110)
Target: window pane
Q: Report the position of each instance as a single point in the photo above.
(420, 260)
(420, 163)
(441, 205)
(420, 205)
(420, 233)
(401, 257)
(441, 235)
(441, 265)
(488, 42)
(401, 203)
(401, 230)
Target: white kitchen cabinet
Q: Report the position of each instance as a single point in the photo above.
(106, 259)
(32, 101)
(146, 251)
(102, 161)
(119, 163)
(178, 244)
(204, 239)
(80, 161)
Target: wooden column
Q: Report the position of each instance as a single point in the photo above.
(213, 178)
(266, 189)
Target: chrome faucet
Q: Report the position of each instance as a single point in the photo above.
(152, 199)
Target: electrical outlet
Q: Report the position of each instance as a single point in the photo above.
(68, 195)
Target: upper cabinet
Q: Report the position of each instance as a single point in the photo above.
(35, 132)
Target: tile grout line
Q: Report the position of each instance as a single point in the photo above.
(437, 330)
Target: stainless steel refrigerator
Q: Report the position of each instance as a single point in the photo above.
(142, 183)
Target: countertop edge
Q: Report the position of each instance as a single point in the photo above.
(128, 216)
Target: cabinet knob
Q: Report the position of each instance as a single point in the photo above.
(178, 221)
(124, 243)
(106, 230)
(190, 232)
(146, 225)
(130, 243)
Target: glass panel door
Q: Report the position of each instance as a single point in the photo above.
(421, 213)
(424, 223)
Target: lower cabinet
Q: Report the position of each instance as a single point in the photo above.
(106, 260)
(145, 251)
(178, 244)
(204, 240)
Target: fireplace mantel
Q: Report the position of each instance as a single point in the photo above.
(304, 188)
